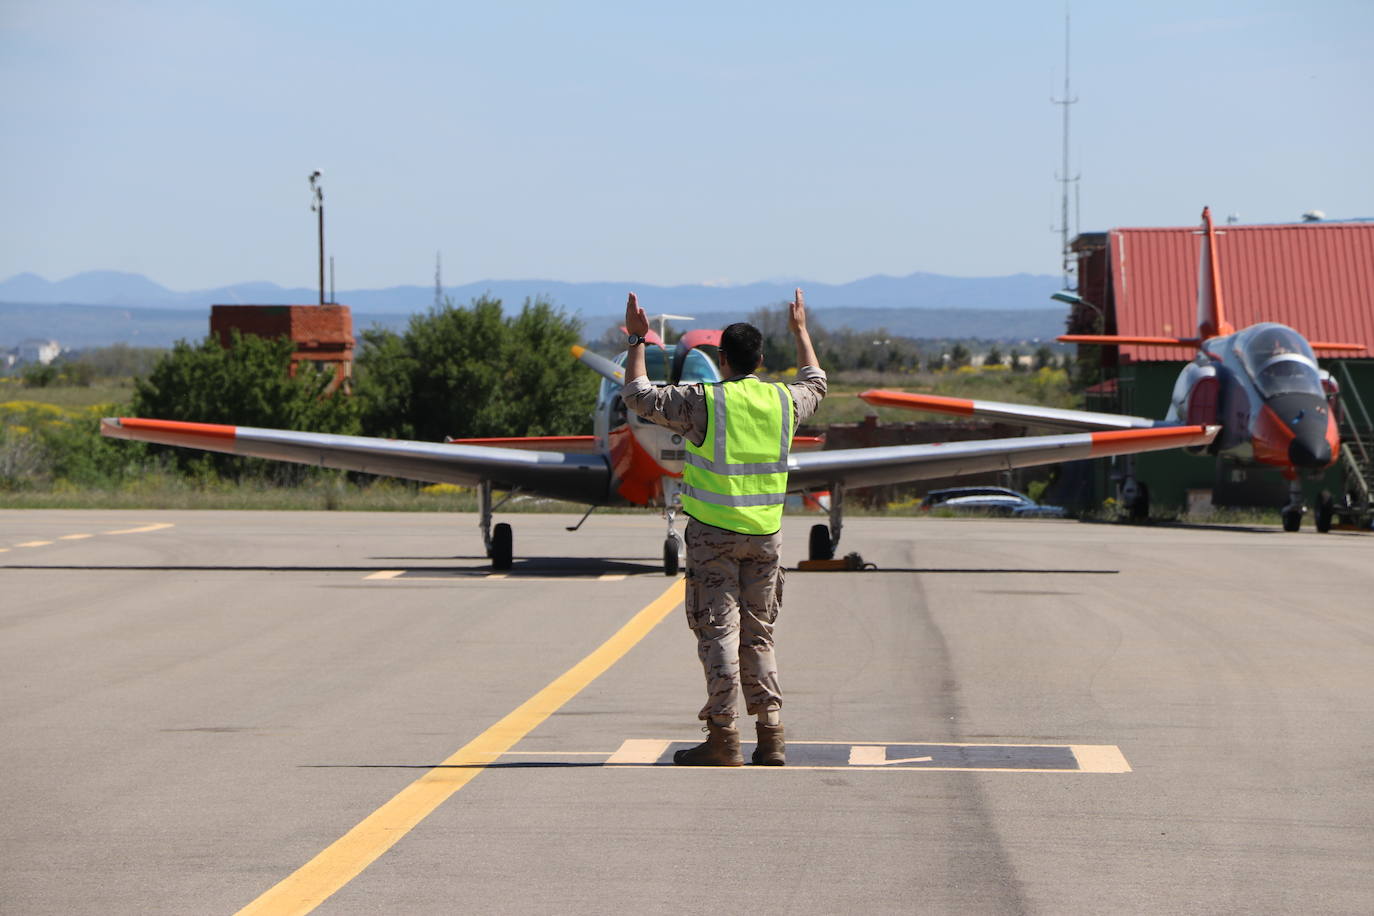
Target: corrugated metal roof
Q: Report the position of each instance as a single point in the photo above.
(1317, 278)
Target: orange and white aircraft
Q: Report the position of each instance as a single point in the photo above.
(1261, 386)
(630, 461)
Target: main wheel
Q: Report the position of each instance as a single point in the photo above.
(1292, 519)
(1140, 506)
(820, 547)
(1326, 511)
(501, 546)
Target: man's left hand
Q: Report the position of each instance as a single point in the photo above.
(636, 322)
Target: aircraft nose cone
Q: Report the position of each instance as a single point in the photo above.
(1309, 452)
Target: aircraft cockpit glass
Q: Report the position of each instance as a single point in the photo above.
(698, 367)
(1279, 360)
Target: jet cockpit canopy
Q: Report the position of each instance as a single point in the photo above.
(1278, 360)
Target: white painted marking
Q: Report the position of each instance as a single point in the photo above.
(75, 537)
(868, 756)
(1100, 758)
(610, 577)
(385, 574)
(497, 575)
(34, 544)
(639, 750)
(157, 527)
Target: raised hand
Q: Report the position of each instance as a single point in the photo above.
(636, 322)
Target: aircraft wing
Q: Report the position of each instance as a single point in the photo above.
(867, 467)
(1025, 414)
(555, 474)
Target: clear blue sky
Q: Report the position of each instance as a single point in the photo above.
(656, 143)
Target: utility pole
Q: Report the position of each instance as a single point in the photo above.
(317, 204)
(438, 284)
(1063, 177)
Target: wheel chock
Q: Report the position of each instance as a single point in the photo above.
(848, 563)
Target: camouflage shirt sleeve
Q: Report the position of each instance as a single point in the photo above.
(807, 392)
(681, 408)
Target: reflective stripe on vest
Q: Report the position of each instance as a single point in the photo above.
(737, 478)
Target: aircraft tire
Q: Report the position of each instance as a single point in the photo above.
(671, 557)
(1326, 512)
(819, 547)
(502, 546)
(1292, 520)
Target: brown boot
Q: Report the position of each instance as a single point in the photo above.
(770, 749)
(721, 749)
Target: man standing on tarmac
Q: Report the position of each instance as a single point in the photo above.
(738, 434)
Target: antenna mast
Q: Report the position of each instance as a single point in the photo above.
(1063, 177)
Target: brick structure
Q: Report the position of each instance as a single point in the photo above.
(321, 333)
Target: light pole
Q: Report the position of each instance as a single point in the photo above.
(1076, 300)
(317, 204)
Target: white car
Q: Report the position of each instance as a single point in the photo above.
(989, 501)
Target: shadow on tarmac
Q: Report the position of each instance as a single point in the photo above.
(561, 567)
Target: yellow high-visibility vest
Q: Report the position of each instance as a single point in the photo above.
(737, 478)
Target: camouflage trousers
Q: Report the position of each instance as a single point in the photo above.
(734, 593)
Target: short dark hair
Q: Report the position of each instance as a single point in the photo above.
(742, 345)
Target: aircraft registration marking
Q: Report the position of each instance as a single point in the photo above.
(939, 757)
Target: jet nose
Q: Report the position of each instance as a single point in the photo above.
(1309, 452)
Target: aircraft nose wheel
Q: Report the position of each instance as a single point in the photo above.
(672, 556)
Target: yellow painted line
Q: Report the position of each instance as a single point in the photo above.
(34, 544)
(75, 537)
(386, 574)
(344, 859)
(144, 528)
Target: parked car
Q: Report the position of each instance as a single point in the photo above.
(989, 501)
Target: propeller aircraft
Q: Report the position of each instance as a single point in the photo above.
(1261, 386)
(630, 461)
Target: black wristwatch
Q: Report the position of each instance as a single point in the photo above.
(635, 339)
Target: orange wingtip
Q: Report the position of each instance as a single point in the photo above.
(879, 397)
(1117, 441)
(1336, 347)
(1110, 339)
(178, 428)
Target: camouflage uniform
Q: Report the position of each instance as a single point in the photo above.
(734, 581)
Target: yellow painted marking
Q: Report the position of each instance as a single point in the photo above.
(497, 575)
(862, 755)
(1100, 758)
(342, 861)
(4, 550)
(157, 527)
(75, 537)
(386, 574)
(34, 544)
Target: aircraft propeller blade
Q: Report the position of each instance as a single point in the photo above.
(599, 364)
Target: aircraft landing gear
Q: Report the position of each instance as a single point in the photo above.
(1294, 511)
(1326, 512)
(498, 540)
(674, 546)
(824, 539)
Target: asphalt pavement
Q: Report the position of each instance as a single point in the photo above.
(207, 712)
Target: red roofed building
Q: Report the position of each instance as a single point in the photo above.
(321, 333)
(1315, 277)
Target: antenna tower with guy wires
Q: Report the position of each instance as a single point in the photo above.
(1069, 267)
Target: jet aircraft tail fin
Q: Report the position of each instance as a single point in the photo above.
(1211, 313)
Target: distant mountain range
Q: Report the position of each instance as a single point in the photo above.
(98, 308)
(919, 290)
